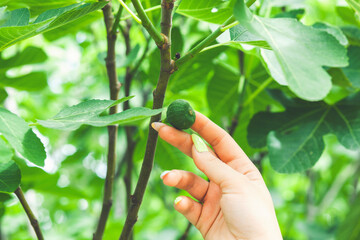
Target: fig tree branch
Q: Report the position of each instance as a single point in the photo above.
(114, 86)
(159, 94)
(33, 221)
(128, 129)
(235, 119)
(148, 25)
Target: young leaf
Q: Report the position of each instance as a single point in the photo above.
(17, 132)
(300, 50)
(295, 137)
(87, 113)
(10, 177)
(14, 34)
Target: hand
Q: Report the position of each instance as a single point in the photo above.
(235, 203)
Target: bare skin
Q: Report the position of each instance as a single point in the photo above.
(235, 203)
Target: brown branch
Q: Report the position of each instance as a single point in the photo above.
(167, 67)
(114, 86)
(33, 221)
(129, 130)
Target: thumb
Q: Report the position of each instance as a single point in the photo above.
(215, 169)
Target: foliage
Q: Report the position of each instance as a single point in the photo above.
(284, 80)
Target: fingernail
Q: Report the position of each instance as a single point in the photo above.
(157, 125)
(200, 145)
(177, 200)
(163, 174)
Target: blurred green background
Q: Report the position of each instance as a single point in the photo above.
(66, 195)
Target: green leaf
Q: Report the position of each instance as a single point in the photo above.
(17, 132)
(18, 17)
(12, 35)
(87, 113)
(80, 24)
(352, 71)
(30, 55)
(36, 7)
(295, 137)
(300, 50)
(213, 11)
(34, 81)
(240, 34)
(55, 12)
(10, 177)
(333, 30)
(5, 153)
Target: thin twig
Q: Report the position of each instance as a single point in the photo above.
(114, 86)
(230, 22)
(33, 221)
(147, 24)
(186, 232)
(206, 42)
(117, 20)
(159, 94)
(154, 8)
(132, 14)
(129, 130)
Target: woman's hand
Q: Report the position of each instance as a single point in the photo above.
(235, 203)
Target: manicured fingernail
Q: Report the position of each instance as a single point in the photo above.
(200, 145)
(157, 125)
(177, 200)
(163, 174)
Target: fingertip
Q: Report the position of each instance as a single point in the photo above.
(188, 207)
(157, 125)
(163, 174)
(183, 204)
(171, 178)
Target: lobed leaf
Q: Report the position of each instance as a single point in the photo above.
(295, 137)
(301, 52)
